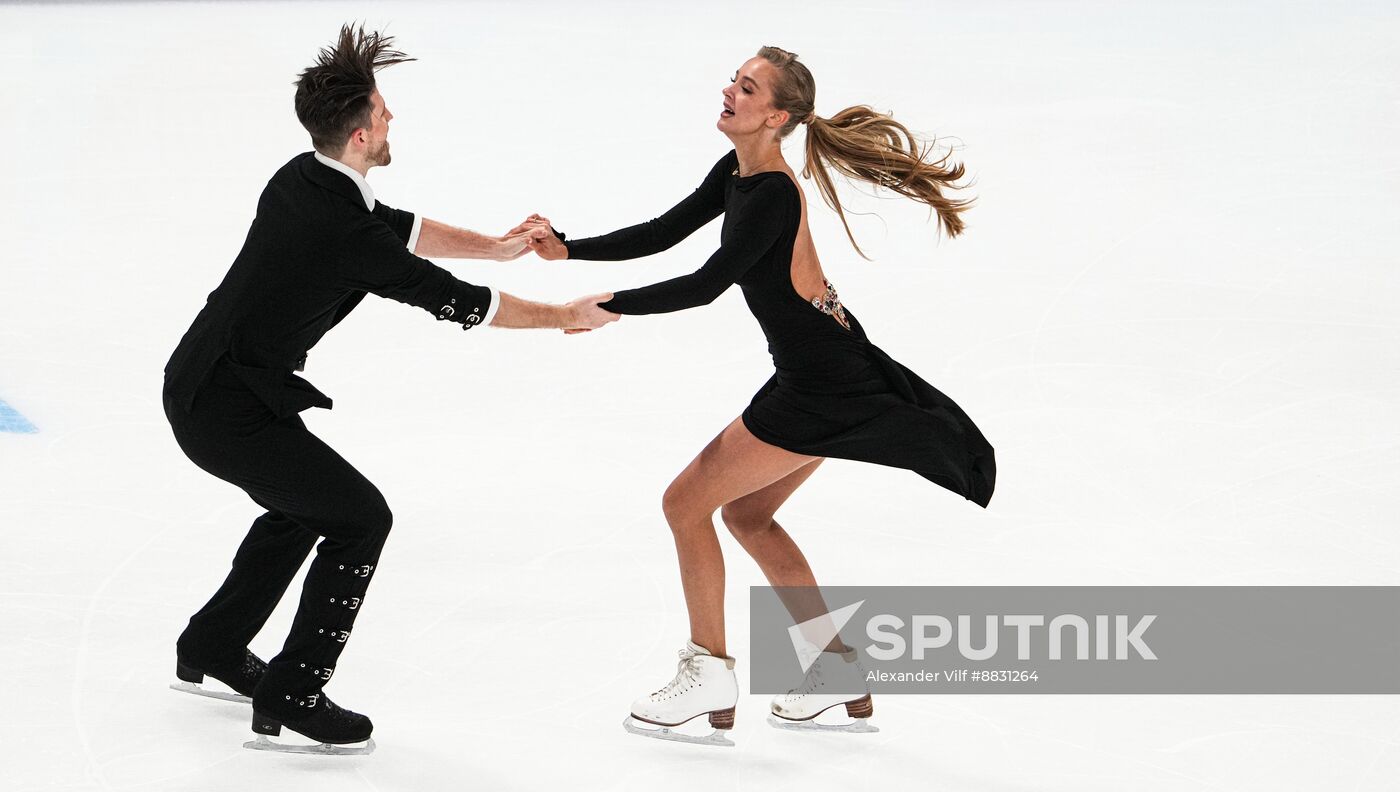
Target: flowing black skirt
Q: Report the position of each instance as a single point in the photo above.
(845, 398)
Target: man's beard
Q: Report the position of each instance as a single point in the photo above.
(380, 156)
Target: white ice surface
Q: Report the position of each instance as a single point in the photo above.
(1174, 314)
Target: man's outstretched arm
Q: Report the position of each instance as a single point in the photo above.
(580, 314)
(375, 259)
(440, 240)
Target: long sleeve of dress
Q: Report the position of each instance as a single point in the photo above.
(765, 215)
(654, 236)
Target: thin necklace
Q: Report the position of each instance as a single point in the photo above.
(765, 162)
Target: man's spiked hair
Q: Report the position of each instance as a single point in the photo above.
(333, 94)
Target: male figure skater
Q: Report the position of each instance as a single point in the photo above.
(319, 243)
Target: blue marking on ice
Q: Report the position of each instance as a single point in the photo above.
(11, 421)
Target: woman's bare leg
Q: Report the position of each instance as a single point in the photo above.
(750, 520)
(733, 465)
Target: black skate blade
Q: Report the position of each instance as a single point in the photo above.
(857, 726)
(199, 690)
(323, 749)
(667, 733)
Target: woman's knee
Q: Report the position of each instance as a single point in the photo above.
(673, 502)
(742, 521)
(680, 506)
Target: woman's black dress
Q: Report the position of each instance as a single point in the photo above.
(834, 393)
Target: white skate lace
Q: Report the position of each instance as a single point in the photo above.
(686, 671)
(809, 683)
(814, 680)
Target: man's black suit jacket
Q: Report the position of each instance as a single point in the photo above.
(313, 252)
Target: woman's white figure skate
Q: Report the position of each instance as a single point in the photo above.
(835, 678)
(704, 685)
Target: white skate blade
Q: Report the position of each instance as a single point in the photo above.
(198, 690)
(857, 726)
(641, 729)
(323, 749)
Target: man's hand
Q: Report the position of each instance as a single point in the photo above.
(532, 222)
(439, 240)
(516, 242)
(584, 313)
(542, 238)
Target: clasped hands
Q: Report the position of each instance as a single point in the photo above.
(536, 234)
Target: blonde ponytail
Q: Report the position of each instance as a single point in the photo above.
(865, 145)
(862, 144)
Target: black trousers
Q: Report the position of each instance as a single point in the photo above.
(310, 492)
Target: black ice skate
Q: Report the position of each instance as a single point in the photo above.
(240, 676)
(334, 727)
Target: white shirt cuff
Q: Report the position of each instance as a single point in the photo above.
(495, 304)
(413, 235)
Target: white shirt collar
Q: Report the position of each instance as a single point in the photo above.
(365, 191)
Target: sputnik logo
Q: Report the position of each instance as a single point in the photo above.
(809, 638)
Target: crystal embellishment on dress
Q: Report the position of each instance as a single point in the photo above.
(830, 304)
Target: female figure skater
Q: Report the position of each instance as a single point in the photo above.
(834, 394)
